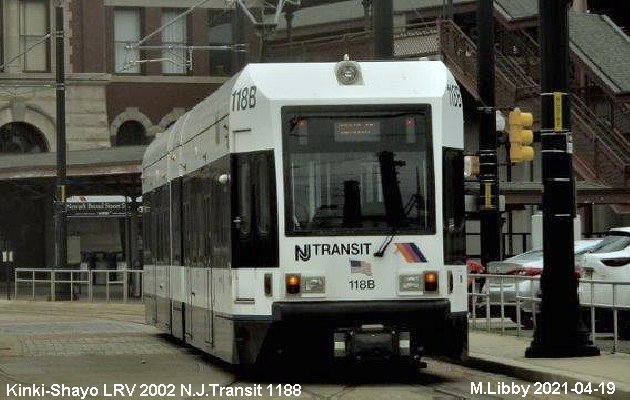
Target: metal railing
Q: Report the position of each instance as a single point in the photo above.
(78, 285)
(460, 54)
(606, 154)
(587, 285)
(601, 142)
(412, 40)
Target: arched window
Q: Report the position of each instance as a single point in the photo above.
(21, 137)
(131, 133)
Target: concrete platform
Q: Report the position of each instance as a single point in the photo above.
(505, 354)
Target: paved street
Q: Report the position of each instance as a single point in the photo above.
(84, 345)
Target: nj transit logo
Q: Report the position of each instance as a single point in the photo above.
(305, 251)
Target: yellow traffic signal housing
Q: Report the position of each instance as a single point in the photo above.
(521, 136)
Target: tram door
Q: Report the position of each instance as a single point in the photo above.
(149, 281)
(217, 217)
(208, 331)
(207, 237)
(188, 308)
(175, 276)
(163, 256)
(190, 245)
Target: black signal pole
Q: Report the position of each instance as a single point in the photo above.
(383, 14)
(489, 212)
(560, 332)
(60, 210)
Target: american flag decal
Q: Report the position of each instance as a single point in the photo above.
(411, 252)
(360, 267)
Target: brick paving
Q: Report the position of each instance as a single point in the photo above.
(84, 327)
(96, 330)
(120, 345)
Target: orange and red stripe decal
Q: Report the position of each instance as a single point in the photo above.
(411, 252)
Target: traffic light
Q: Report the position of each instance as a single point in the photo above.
(521, 136)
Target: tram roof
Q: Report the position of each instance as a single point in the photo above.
(308, 83)
(158, 148)
(317, 81)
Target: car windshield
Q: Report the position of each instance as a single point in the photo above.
(367, 171)
(612, 243)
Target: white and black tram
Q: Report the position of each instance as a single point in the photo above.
(314, 209)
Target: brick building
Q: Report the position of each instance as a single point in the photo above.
(117, 100)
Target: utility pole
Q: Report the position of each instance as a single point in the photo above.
(60, 203)
(560, 332)
(383, 13)
(489, 212)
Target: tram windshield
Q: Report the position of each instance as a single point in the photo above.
(351, 171)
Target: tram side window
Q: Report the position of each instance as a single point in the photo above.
(186, 230)
(148, 228)
(219, 214)
(162, 220)
(166, 237)
(255, 227)
(264, 195)
(207, 232)
(453, 206)
(244, 195)
(194, 225)
(198, 222)
(157, 223)
(193, 222)
(176, 213)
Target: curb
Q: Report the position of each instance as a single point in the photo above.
(530, 373)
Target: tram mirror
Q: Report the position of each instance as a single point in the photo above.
(224, 179)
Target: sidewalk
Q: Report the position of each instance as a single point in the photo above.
(506, 355)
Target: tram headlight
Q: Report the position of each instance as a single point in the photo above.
(430, 281)
(348, 72)
(313, 284)
(410, 283)
(292, 283)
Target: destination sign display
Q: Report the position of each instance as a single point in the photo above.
(357, 131)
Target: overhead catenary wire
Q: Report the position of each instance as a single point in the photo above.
(166, 25)
(190, 48)
(31, 47)
(279, 7)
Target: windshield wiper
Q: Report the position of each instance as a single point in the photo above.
(394, 210)
(414, 200)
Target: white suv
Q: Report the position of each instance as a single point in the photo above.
(609, 261)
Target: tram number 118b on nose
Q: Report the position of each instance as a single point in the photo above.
(362, 284)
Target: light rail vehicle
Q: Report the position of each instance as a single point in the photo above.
(314, 209)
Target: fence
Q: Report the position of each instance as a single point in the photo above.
(511, 295)
(78, 285)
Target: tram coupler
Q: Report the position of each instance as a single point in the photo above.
(374, 343)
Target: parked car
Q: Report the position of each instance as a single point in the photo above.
(526, 264)
(609, 261)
